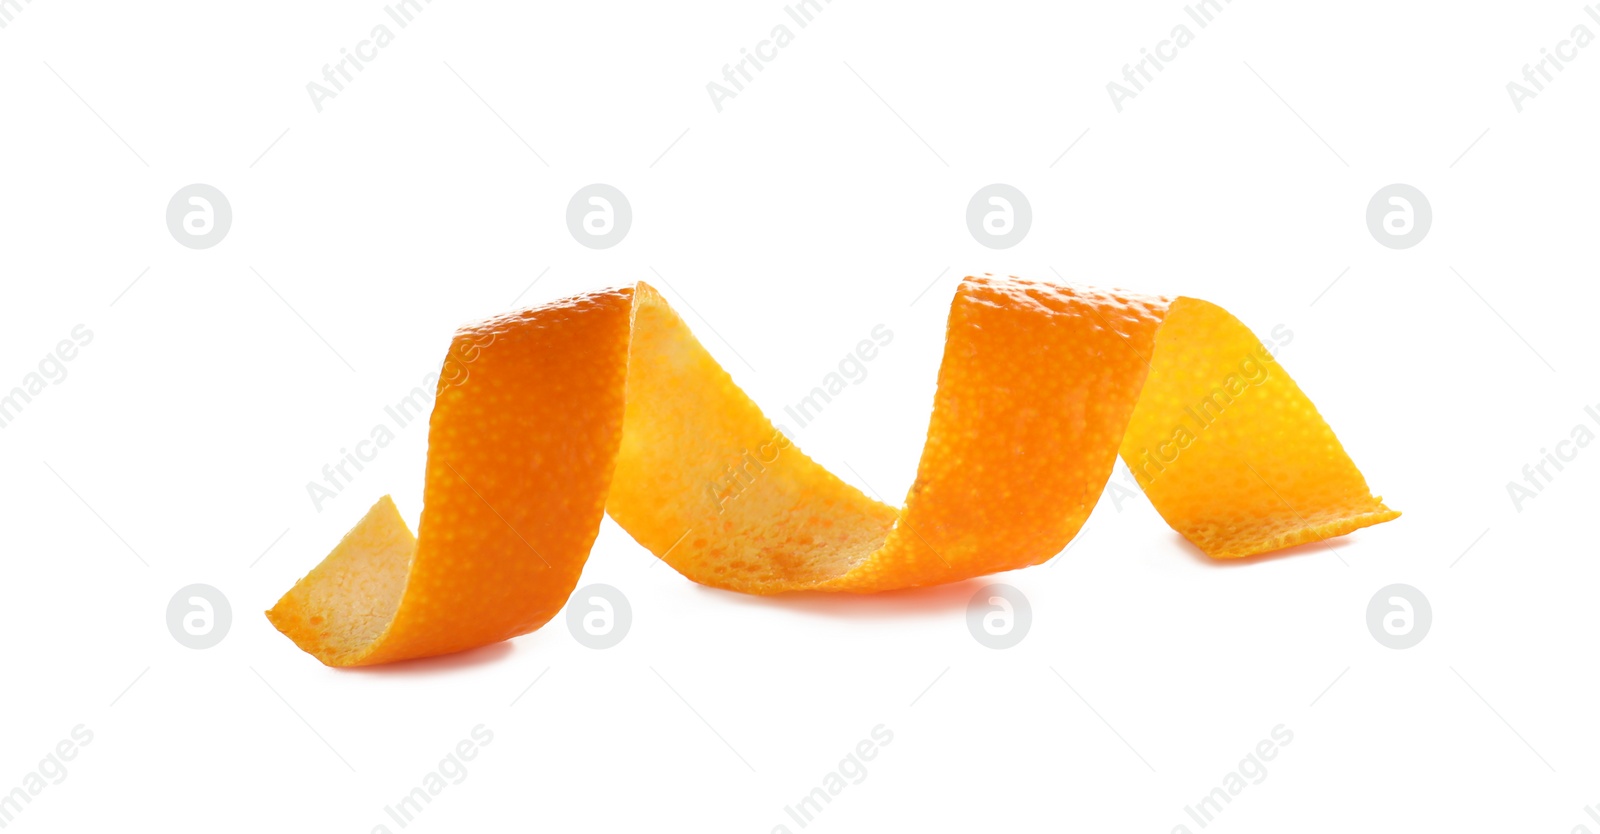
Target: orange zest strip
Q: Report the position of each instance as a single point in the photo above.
(605, 402)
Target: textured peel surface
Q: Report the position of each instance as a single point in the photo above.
(605, 402)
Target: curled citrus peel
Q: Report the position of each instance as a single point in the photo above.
(606, 402)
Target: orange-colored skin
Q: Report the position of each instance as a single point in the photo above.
(606, 402)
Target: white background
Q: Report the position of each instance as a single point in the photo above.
(784, 228)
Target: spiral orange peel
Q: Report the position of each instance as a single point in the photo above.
(605, 402)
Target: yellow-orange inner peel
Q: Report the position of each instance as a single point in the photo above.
(606, 402)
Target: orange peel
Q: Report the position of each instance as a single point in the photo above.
(605, 402)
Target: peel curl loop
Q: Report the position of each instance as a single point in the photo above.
(605, 402)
